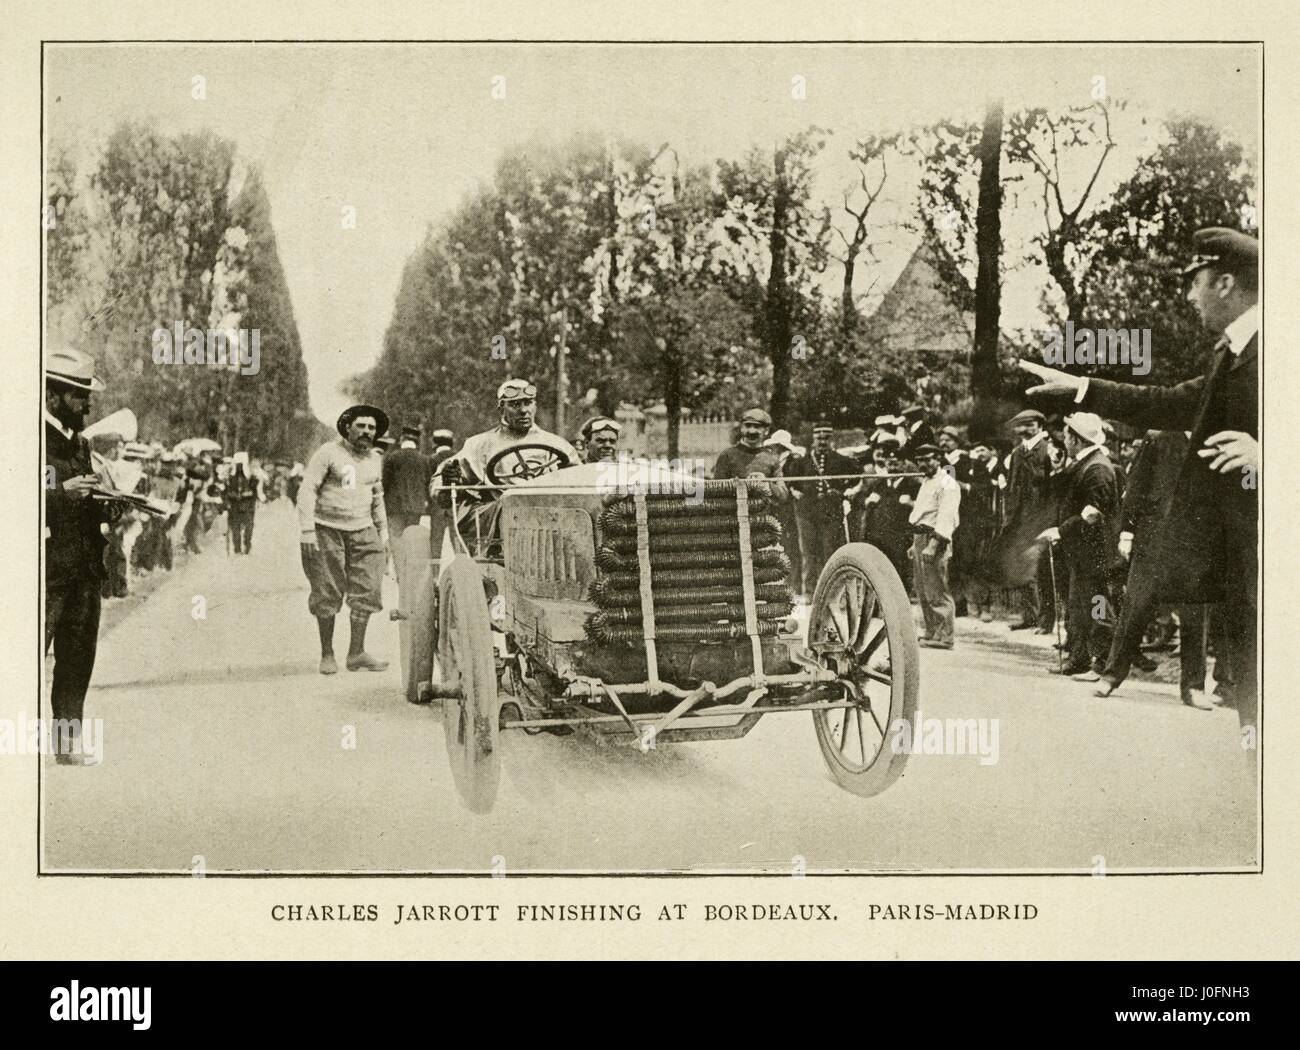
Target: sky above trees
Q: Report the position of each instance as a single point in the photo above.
(402, 133)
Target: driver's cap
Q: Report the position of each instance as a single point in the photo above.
(516, 390)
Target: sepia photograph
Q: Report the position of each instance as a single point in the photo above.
(694, 458)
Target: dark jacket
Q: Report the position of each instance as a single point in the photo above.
(74, 545)
(1151, 482)
(733, 462)
(1091, 483)
(406, 476)
(835, 463)
(1027, 478)
(1209, 530)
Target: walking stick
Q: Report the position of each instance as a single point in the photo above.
(1056, 606)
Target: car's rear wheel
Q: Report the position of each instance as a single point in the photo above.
(861, 628)
(468, 677)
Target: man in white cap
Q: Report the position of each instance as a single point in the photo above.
(74, 545)
(345, 533)
(515, 450)
(1089, 535)
(600, 439)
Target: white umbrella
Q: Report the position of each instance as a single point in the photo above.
(193, 446)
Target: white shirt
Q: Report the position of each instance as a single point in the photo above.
(1030, 442)
(1242, 330)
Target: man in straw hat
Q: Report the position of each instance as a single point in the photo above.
(345, 533)
(1209, 536)
(1089, 536)
(74, 545)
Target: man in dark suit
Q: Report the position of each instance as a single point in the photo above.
(406, 475)
(819, 504)
(74, 546)
(1209, 535)
(1028, 509)
(1150, 485)
(1088, 533)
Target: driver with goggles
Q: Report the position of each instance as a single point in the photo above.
(514, 450)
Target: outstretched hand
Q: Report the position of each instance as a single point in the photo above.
(1055, 383)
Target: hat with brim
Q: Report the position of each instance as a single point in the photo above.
(782, 439)
(72, 368)
(756, 415)
(1029, 415)
(1087, 425)
(886, 441)
(952, 433)
(377, 414)
(921, 451)
(411, 430)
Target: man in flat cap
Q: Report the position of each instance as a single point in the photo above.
(1088, 533)
(74, 546)
(1027, 503)
(1209, 536)
(345, 533)
(819, 502)
(934, 518)
(755, 425)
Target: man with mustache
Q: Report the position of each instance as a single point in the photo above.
(1208, 531)
(345, 533)
(755, 425)
(74, 545)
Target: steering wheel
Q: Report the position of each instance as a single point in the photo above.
(515, 468)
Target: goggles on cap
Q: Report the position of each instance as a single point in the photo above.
(606, 424)
(516, 390)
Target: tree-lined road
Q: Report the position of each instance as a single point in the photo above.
(223, 743)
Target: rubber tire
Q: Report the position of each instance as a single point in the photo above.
(904, 654)
(423, 626)
(466, 656)
(411, 557)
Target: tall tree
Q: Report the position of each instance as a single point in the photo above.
(1069, 240)
(782, 236)
(985, 379)
(1195, 177)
